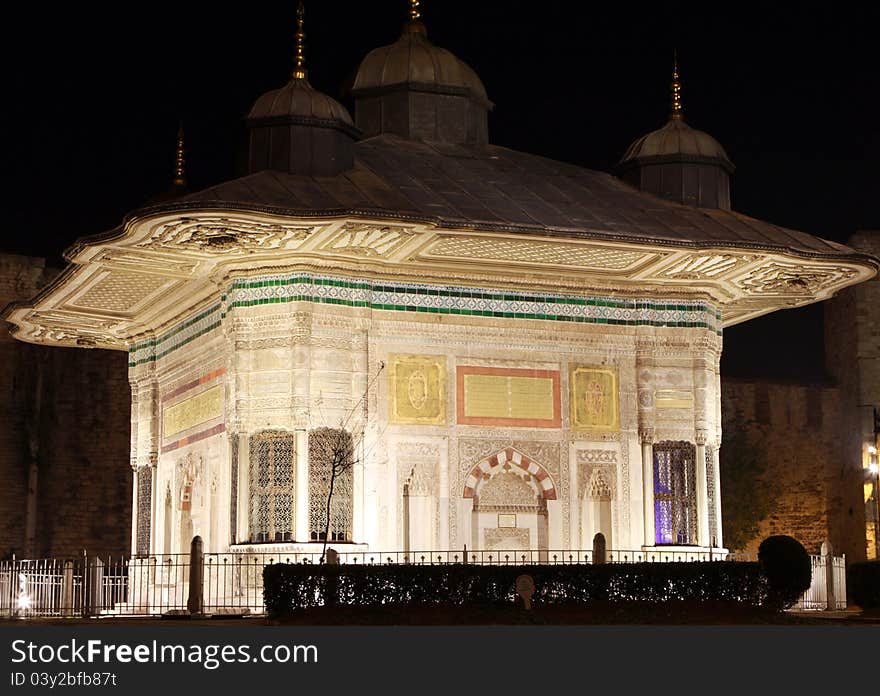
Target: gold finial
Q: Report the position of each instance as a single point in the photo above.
(414, 14)
(676, 88)
(299, 69)
(179, 161)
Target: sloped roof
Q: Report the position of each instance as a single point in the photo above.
(495, 188)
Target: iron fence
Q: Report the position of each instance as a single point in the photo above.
(828, 584)
(232, 583)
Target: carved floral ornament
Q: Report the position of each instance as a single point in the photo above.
(224, 235)
(367, 240)
(706, 266)
(82, 332)
(778, 278)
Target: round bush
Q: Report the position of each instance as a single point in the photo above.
(786, 565)
(863, 584)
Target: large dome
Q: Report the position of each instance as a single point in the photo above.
(299, 99)
(677, 140)
(414, 60)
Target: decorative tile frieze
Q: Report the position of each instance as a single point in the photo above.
(431, 299)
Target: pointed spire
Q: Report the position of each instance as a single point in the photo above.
(414, 14)
(179, 161)
(299, 65)
(676, 88)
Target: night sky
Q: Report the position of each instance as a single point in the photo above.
(95, 92)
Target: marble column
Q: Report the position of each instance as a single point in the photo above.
(647, 439)
(443, 497)
(702, 490)
(302, 486)
(716, 502)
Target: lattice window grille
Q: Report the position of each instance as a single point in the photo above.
(272, 491)
(233, 489)
(329, 449)
(675, 500)
(711, 493)
(144, 509)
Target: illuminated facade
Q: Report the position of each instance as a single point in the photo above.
(513, 353)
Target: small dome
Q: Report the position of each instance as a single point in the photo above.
(414, 60)
(677, 139)
(300, 100)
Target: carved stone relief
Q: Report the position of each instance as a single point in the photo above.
(506, 538)
(223, 235)
(507, 490)
(553, 253)
(706, 266)
(778, 278)
(359, 239)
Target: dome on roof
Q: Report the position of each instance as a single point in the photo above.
(414, 60)
(677, 140)
(299, 99)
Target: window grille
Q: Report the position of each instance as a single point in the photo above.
(272, 493)
(711, 493)
(675, 504)
(331, 460)
(144, 508)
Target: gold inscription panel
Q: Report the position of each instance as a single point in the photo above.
(499, 396)
(193, 411)
(673, 398)
(418, 389)
(508, 396)
(593, 398)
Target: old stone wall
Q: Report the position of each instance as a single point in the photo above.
(69, 410)
(805, 476)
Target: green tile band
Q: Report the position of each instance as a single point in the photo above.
(436, 299)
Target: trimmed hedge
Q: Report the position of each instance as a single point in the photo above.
(863, 584)
(786, 564)
(291, 587)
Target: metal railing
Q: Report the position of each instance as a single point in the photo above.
(827, 586)
(232, 583)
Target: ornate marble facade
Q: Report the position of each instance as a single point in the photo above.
(482, 428)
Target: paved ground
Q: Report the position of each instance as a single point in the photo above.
(481, 615)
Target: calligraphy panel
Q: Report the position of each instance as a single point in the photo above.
(418, 389)
(594, 398)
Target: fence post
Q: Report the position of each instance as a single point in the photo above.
(828, 566)
(96, 584)
(196, 602)
(67, 589)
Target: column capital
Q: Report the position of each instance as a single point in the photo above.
(646, 435)
(701, 436)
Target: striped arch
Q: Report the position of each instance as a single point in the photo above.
(490, 465)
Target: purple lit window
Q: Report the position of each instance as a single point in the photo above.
(675, 508)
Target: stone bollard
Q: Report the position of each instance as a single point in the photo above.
(599, 553)
(196, 602)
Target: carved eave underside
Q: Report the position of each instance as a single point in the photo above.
(164, 267)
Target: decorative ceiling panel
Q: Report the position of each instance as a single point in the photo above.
(549, 253)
